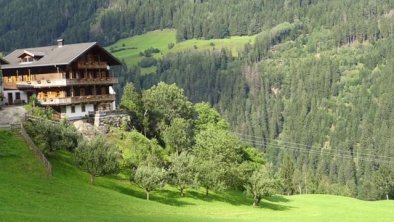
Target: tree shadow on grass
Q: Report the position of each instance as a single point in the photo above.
(273, 206)
(276, 198)
(238, 199)
(164, 196)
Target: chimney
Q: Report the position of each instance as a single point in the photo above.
(60, 43)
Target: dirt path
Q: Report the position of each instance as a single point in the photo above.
(11, 115)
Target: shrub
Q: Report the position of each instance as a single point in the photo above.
(147, 62)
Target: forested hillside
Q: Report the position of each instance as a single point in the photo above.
(317, 97)
(41, 22)
(314, 90)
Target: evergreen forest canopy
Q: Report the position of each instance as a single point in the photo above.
(314, 91)
(41, 22)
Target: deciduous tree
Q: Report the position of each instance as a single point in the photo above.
(96, 157)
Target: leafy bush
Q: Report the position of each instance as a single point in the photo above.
(171, 45)
(147, 62)
(149, 52)
(50, 136)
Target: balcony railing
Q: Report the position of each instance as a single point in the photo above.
(41, 84)
(101, 81)
(9, 85)
(65, 82)
(76, 99)
(92, 65)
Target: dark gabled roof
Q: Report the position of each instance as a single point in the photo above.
(54, 55)
(2, 61)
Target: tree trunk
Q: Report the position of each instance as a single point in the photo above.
(254, 203)
(147, 195)
(91, 179)
(299, 187)
(206, 191)
(182, 194)
(387, 196)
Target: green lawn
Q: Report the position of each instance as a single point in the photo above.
(128, 49)
(27, 194)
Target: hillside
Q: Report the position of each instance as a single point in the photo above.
(28, 194)
(129, 49)
(42, 22)
(307, 82)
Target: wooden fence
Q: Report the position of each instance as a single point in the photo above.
(36, 150)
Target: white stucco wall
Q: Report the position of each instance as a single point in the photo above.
(22, 97)
(112, 92)
(78, 111)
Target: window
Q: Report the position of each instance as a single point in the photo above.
(83, 108)
(72, 109)
(18, 95)
(27, 59)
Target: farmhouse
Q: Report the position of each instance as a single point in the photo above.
(2, 62)
(73, 79)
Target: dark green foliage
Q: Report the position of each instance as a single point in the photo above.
(327, 108)
(286, 173)
(149, 52)
(132, 101)
(51, 136)
(384, 180)
(107, 21)
(147, 62)
(162, 104)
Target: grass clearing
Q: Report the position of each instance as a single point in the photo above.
(27, 194)
(129, 49)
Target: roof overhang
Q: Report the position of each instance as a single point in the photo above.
(112, 61)
(3, 62)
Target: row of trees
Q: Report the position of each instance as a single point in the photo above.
(170, 141)
(173, 141)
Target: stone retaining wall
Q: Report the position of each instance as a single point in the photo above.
(115, 120)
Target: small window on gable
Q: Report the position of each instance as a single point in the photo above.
(27, 59)
(29, 56)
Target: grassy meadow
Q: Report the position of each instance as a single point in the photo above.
(129, 49)
(28, 194)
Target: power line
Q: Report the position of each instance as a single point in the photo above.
(280, 144)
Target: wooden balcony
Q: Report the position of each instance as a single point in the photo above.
(95, 81)
(92, 65)
(64, 82)
(9, 86)
(76, 100)
(41, 84)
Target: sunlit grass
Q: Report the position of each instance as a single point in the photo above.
(27, 194)
(129, 49)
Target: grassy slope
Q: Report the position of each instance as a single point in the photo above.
(128, 49)
(26, 194)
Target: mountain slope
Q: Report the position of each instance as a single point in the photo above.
(28, 194)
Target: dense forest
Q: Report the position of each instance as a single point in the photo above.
(41, 22)
(314, 91)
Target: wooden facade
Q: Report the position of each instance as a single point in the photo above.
(84, 80)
